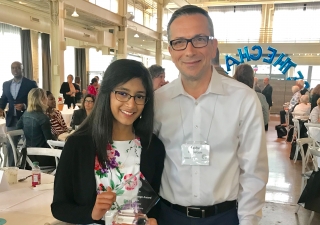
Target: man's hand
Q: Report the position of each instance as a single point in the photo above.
(103, 203)
(19, 107)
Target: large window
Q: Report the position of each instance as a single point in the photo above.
(236, 23)
(296, 23)
(10, 50)
(145, 12)
(315, 77)
(69, 62)
(111, 5)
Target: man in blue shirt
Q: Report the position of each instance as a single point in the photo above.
(15, 93)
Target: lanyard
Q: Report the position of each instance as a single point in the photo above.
(214, 109)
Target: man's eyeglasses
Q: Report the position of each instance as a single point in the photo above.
(197, 42)
(124, 97)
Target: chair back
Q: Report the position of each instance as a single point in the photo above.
(10, 135)
(44, 152)
(54, 144)
(296, 126)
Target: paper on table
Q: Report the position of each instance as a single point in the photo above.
(42, 187)
(4, 185)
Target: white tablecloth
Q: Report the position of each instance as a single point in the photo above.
(67, 116)
(23, 205)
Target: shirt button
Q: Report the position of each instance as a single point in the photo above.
(195, 196)
(196, 126)
(196, 103)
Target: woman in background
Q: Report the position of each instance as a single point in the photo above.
(92, 88)
(81, 114)
(69, 90)
(58, 126)
(36, 125)
(244, 74)
(315, 113)
(315, 96)
(114, 142)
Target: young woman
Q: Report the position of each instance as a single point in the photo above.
(80, 115)
(58, 126)
(36, 125)
(69, 91)
(114, 142)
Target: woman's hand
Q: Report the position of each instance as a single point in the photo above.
(152, 221)
(103, 203)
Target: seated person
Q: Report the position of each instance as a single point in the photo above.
(315, 113)
(36, 125)
(80, 115)
(58, 126)
(93, 87)
(303, 108)
(294, 100)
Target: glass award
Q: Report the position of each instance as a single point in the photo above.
(138, 201)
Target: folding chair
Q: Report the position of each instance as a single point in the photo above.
(315, 154)
(16, 150)
(44, 152)
(53, 144)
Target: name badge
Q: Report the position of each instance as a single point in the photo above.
(195, 153)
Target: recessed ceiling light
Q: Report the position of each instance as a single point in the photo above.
(293, 54)
(142, 40)
(22, 3)
(299, 53)
(140, 45)
(318, 54)
(305, 54)
(136, 35)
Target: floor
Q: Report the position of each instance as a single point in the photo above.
(284, 185)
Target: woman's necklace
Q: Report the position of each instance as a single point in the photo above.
(129, 151)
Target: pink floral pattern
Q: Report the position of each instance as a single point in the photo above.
(120, 167)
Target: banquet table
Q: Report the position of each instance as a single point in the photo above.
(67, 116)
(22, 204)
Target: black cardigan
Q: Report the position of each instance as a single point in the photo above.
(75, 184)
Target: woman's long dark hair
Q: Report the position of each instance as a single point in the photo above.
(99, 124)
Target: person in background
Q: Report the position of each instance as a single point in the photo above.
(315, 96)
(300, 84)
(303, 108)
(98, 79)
(315, 113)
(81, 114)
(58, 126)
(69, 91)
(77, 83)
(158, 76)
(36, 125)
(216, 64)
(113, 143)
(244, 74)
(15, 93)
(293, 102)
(256, 85)
(267, 91)
(226, 183)
(93, 87)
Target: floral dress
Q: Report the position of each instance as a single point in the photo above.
(124, 162)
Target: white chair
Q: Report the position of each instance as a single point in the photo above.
(15, 149)
(44, 152)
(54, 144)
(315, 154)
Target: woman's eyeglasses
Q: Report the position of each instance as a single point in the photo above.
(124, 97)
(88, 101)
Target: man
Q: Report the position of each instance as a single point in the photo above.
(216, 63)
(158, 76)
(267, 91)
(220, 121)
(256, 85)
(15, 92)
(300, 84)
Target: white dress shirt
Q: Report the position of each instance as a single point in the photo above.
(228, 116)
(302, 109)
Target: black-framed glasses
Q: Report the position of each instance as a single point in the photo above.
(197, 42)
(123, 96)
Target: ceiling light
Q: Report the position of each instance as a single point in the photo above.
(293, 54)
(142, 40)
(22, 3)
(136, 35)
(299, 53)
(75, 14)
(305, 54)
(318, 54)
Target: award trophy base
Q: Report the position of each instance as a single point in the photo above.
(130, 218)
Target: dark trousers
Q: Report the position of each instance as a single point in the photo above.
(282, 117)
(15, 141)
(169, 216)
(70, 100)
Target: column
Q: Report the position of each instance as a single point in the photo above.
(57, 45)
(34, 36)
(159, 43)
(309, 74)
(121, 53)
